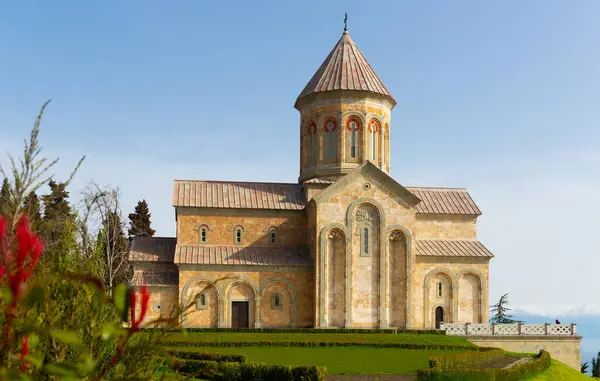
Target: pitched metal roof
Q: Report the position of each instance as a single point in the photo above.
(156, 278)
(345, 68)
(242, 195)
(451, 248)
(283, 196)
(444, 201)
(241, 255)
(152, 249)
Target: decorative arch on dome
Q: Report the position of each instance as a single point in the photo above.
(311, 132)
(373, 140)
(330, 127)
(353, 125)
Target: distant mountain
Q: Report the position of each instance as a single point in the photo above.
(588, 326)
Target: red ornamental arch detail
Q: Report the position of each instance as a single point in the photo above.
(374, 126)
(312, 128)
(350, 122)
(326, 126)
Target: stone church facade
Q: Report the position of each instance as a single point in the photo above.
(345, 246)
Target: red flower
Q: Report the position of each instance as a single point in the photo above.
(2, 227)
(135, 323)
(24, 352)
(2, 270)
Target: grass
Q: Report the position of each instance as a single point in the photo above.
(338, 360)
(404, 338)
(560, 372)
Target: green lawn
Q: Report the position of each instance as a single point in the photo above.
(338, 360)
(404, 338)
(560, 372)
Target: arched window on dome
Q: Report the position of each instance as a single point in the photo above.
(354, 142)
(373, 131)
(330, 143)
(386, 138)
(312, 141)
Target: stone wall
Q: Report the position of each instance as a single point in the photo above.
(437, 226)
(294, 286)
(163, 303)
(562, 348)
(458, 302)
(255, 224)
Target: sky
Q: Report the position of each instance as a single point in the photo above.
(502, 98)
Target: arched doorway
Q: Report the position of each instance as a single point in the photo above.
(439, 317)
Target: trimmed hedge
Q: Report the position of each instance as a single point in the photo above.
(225, 344)
(232, 371)
(538, 365)
(207, 356)
(311, 330)
(466, 360)
(262, 372)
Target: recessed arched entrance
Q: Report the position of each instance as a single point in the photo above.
(439, 317)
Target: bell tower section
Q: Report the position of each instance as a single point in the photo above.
(344, 116)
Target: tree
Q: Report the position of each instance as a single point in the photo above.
(584, 367)
(5, 198)
(31, 206)
(139, 225)
(104, 206)
(596, 366)
(499, 312)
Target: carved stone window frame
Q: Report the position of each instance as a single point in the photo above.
(202, 301)
(439, 290)
(235, 228)
(202, 226)
(274, 306)
(270, 230)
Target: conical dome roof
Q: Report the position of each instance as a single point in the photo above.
(345, 68)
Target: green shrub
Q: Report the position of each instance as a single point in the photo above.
(221, 344)
(263, 372)
(538, 365)
(208, 356)
(315, 330)
(466, 360)
(197, 368)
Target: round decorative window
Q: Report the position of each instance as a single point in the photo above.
(156, 307)
(367, 186)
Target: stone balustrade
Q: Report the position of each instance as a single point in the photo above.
(517, 329)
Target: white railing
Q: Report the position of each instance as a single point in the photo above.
(517, 329)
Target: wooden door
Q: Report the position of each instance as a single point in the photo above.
(239, 315)
(439, 317)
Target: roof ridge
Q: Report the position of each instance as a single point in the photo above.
(434, 188)
(233, 182)
(345, 68)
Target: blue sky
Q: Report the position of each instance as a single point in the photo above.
(502, 98)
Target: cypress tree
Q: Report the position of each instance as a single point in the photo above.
(31, 206)
(500, 312)
(5, 198)
(140, 221)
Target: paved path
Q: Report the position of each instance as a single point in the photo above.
(371, 377)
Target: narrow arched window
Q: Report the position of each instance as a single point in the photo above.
(385, 142)
(366, 241)
(373, 130)
(312, 129)
(276, 301)
(330, 127)
(238, 236)
(203, 235)
(273, 236)
(353, 140)
(439, 289)
(201, 302)
(353, 145)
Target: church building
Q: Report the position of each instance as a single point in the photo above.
(347, 246)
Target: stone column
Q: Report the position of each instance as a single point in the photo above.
(257, 318)
(221, 307)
